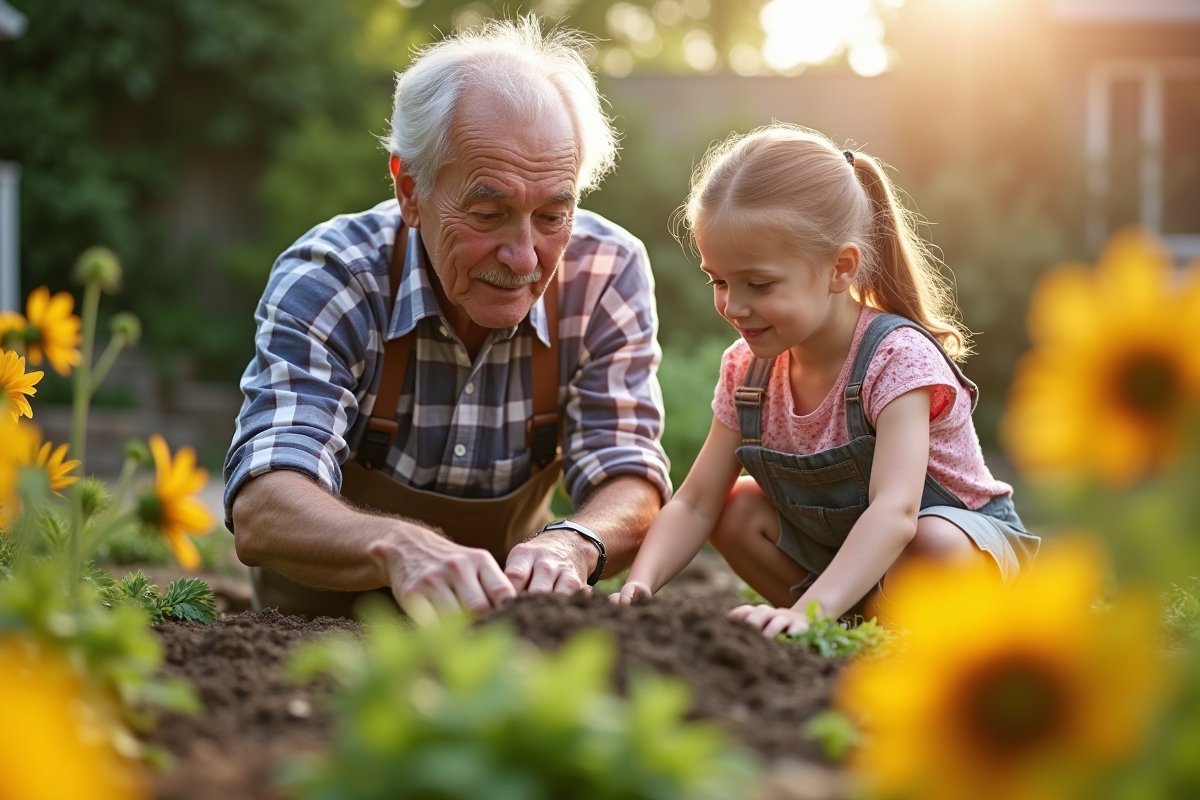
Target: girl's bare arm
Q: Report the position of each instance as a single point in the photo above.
(684, 524)
(894, 498)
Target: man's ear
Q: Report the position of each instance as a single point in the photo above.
(406, 192)
(845, 268)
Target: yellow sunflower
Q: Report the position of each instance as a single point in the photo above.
(12, 329)
(53, 743)
(17, 441)
(15, 382)
(1024, 693)
(52, 330)
(170, 507)
(1114, 374)
(24, 449)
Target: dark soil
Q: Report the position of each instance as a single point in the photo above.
(760, 691)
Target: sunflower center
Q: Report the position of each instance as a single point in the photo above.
(1013, 704)
(32, 335)
(1148, 384)
(150, 509)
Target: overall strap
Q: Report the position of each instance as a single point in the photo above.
(749, 399)
(380, 434)
(541, 432)
(873, 336)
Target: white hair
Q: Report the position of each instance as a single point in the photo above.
(500, 58)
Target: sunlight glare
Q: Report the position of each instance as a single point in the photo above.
(869, 59)
(802, 32)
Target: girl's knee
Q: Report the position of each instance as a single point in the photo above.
(746, 512)
(938, 537)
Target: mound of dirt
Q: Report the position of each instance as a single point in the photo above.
(760, 691)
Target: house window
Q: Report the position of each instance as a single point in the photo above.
(1143, 147)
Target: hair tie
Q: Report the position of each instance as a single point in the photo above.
(849, 157)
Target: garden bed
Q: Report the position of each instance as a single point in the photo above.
(759, 691)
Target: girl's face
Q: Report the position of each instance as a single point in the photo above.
(775, 299)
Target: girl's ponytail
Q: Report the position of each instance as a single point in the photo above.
(904, 278)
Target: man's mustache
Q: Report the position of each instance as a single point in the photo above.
(505, 279)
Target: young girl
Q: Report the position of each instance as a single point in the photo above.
(842, 399)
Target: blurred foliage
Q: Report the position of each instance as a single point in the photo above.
(278, 105)
(1181, 613)
(835, 732)
(112, 646)
(444, 712)
(106, 103)
(687, 376)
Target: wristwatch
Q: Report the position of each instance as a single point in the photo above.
(590, 535)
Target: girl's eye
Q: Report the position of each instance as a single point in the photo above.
(759, 287)
(714, 282)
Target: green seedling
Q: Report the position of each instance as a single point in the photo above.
(186, 599)
(829, 638)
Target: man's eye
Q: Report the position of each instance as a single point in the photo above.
(486, 216)
(759, 287)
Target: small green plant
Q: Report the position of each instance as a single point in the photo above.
(186, 599)
(444, 712)
(836, 733)
(831, 639)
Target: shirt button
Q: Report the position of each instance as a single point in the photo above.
(469, 388)
(459, 450)
(442, 330)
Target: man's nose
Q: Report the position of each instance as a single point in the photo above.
(518, 253)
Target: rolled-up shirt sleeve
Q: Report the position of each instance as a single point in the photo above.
(312, 347)
(614, 407)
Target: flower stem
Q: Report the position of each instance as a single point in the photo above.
(104, 364)
(127, 472)
(79, 416)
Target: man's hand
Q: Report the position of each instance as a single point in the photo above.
(432, 576)
(556, 561)
(771, 621)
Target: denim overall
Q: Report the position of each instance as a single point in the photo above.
(820, 496)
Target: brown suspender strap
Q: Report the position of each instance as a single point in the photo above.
(380, 434)
(541, 432)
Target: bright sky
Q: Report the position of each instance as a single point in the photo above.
(803, 32)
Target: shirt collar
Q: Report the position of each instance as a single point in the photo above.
(417, 299)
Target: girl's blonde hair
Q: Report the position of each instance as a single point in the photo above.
(796, 184)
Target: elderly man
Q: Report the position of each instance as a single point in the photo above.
(426, 371)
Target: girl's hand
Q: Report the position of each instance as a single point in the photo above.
(771, 621)
(630, 592)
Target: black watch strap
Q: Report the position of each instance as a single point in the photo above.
(590, 535)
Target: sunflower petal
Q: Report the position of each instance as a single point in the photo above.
(185, 551)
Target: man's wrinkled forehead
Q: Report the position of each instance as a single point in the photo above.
(488, 124)
(482, 189)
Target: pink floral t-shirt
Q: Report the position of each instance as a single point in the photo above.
(904, 361)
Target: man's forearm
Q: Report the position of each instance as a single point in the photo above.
(620, 510)
(285, 521)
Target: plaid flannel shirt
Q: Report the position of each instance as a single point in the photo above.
(322, 323)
